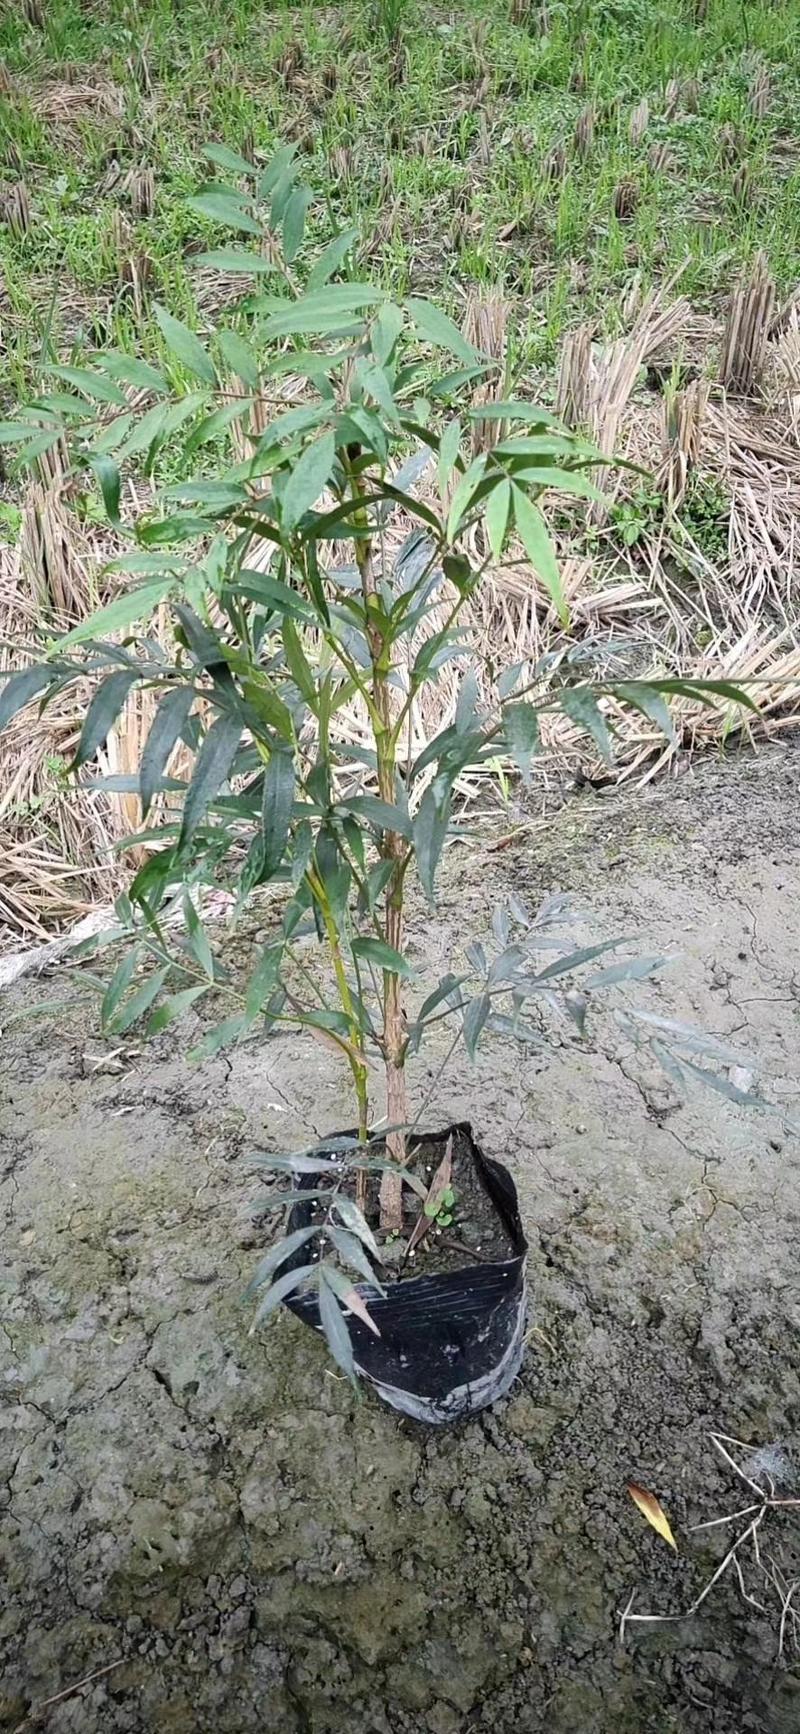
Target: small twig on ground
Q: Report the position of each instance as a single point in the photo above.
(770, 1571)
(68, 1692)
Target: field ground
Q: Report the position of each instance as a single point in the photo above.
(555, 160)
(210, 1511)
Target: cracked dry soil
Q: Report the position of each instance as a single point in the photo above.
(261, 1552)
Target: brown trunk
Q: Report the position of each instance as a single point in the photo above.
(393, 1044)
(393, 849)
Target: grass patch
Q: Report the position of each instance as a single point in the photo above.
(552, 153)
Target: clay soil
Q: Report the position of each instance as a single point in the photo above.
(256, 1549)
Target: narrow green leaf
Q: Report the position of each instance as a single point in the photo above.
(276, 809)
(174, 1007)
(216, 423)
(430, 830)
(322, 310)
(355, 1220)
(467, 486)
(224, 158)
(307, 479)
(94, 385)
(131, 371)
(540, 550)
(436, 328)
(352, 1253)
(382, 955)
(285, 1285)
(696, 1041)
(37, 447)
(211, 770)
(294, 222)
(17, 690)
(637, 969)
(239, 357)
(281, 194)
(448, 987)
(262, 980)
(139, 1003)
(198, 940)
(276, 168)
(225, 208)
(110, 482)
(376, 384)
(474, 1019)
(337, 1334)
(541, 476)
(649, 701)
(544, 445)
(572, 961)
(705, 691)
(185, 345)
(498, 511)
(284, 1248)
(103, 711)
(119, 614)
(521, 726)
(236, 262)
(386, 329)
(271, 593)
(467, 705)
(298, 664)
(512, 410)
(380, 814)
(159, 423)
(579, 703)
(449, 447)
(723, 1086)
(220, 1037)
(118, 985)
(13, 433)
(332, 258)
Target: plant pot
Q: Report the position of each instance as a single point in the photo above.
(451, 1342)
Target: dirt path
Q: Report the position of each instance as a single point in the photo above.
(262, 1553)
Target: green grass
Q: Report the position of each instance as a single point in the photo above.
(396, 106)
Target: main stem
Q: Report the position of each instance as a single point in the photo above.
(393, 849)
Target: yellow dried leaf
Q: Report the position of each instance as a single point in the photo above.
(652, 1512)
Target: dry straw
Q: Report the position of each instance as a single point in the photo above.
(672, 603)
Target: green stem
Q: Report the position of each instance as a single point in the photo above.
(358, 1067)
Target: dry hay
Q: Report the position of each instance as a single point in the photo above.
(56, 843)
(670, 604)
(68, 95)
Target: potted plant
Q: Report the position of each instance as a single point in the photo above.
(296, 641)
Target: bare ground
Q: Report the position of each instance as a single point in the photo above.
(258, 1551)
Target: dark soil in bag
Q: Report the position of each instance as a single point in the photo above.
(452, 1317)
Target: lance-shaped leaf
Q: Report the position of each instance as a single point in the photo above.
(652, 1512)
(211, 770)
(166, 730)
(333, 1324)
(185, 345)
(430, 830)
(276, 809)
(284, 1248)
(278, 1291)
(19, 689)
(383, 956)
(102, 714)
